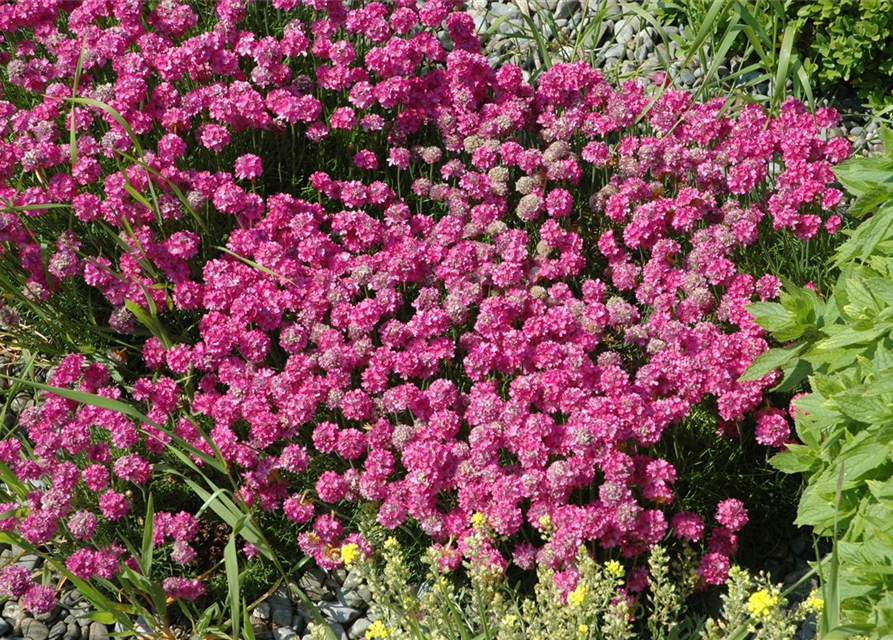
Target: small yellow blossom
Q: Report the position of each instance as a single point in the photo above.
(614, 568)
(510, 620)
(478, 520)
(545, 522)
(350, 553)
(583, 628)
(761, 603)
(377, 630)
(814, 602)
(391, 543)
(576, 597)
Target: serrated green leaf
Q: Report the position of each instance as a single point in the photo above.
(873, 197)
(771, 316)
(770, 360)
(844, 336)
(861, 407)
(796, 458)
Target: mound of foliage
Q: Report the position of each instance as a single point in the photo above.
(484, 301)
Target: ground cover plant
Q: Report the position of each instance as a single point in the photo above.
(299, 257)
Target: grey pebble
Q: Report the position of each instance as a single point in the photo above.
(57, 631)
(350, 599)
(20, 403)
(338, 612)
(358, 629)
(5, 627)
(35, 629)
(339, 631)
(354, 580)
(614, 51)
(72, 632)
(799, 545)
(261, 611)
(29, 561)
(98, 631)
(284, 633)
(627, 29)
(687, 77)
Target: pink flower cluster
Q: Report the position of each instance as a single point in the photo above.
(508, 335)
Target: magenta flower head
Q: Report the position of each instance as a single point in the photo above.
(772, 428)
(184, 588)
(39, 599)
(248, 167)
(688, 526)
(714, 568)
(732, 514)
(14, 581)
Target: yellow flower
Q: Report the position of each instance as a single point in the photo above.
(583, 628)
(614, 568)
(761, 603)
(478, 520)
(377, 630)
(814, 602)
(576, 597)
(350, 553)
(545, 522)
(510, 620)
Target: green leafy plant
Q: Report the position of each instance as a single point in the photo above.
(842, 348)
(848, 40)
(483, 604)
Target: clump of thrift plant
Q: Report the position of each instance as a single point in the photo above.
(487, 319)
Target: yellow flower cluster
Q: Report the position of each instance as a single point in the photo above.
(350, 553)
(576, 597)
(377, 630)
(814, 602)
(761, 603)
(614, 568)
(478, 520)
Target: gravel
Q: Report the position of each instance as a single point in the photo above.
(625, 44)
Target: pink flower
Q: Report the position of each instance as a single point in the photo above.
(114, 506)
(772, 428)
(714, 568)
(688, 526)
(14, 581)
(732, 514)
(184, 588)
(39, 599)
(213, 136)
(248, 167)
(366, 159)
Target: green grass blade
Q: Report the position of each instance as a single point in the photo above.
(784, 63)
(148, 538)
(257, 266)
(538, 38)
(90, 102)
(74, 94)
(231, 562)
